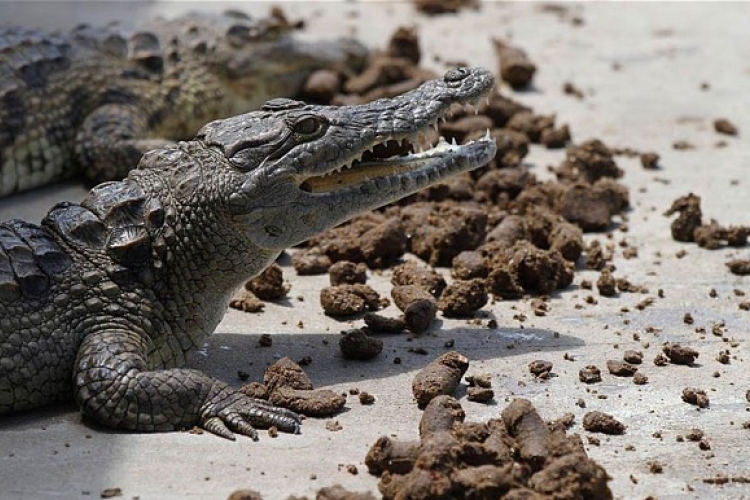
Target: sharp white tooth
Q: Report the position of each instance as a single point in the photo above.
(435, 126)
(487, 135)
(442, 141)
(487, 100)
(453, 142)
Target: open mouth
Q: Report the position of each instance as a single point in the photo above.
(389, 156)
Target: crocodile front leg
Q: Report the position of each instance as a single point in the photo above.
(112, 140)
(114, 386)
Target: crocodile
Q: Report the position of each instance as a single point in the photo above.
(105, 300)
(92, 101)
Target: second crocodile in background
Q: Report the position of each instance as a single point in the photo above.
(94, 100)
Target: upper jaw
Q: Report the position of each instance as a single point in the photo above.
(391, 143)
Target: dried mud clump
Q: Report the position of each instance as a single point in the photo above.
(356, 344)
(589, 162)
(531, 125)
(480, 394)
(555, 138)
(480, 388)
(286, 373)
(689, 218)
(689, 226)
(680, 355)
(377, 324)
(633, 357)
(349, 300)
(337, 492)
(405, 43)
(713, 235)
(597, 256)
(606, 284)
(515, 456)
(590, 374)
(412, 273)
(591, 207)
(286, 385)
(597, 421)
(441, 377)
(697, 397)
(567, 239)
(740, 267)
(347, 273)
(440, 415)
(255, 390)
(525, 268)
(388, 454)
(502, 186)
(246, 301)
(315, 403)
(417, 304)
(311, 262)
(515, 66)
(245, 495)
(372, 238)
(463, 298)
(724, 126)
(541, 368)
(432, 7)
(650, 161)
(621, 368)
(269, 285)
(441, 231)
(469, 265)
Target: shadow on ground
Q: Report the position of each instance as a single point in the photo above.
(226, 354)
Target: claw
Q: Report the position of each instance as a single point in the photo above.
(240, 426)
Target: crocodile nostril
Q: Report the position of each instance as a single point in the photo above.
(455, 75)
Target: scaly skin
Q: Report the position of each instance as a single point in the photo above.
(96, 99)
(105, 301)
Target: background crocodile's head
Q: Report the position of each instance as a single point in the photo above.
(258, 59)
(291, 170)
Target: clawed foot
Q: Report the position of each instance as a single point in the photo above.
(243, 415)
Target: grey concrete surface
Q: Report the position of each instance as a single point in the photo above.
(665, 51)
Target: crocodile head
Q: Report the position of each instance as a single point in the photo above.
(258, 59)
(291, 170)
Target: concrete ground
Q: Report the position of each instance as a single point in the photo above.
(665, 52)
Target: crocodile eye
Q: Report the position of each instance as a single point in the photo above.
(455, 75)
(308, 125)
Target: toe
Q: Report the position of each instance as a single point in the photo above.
(216, 426)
